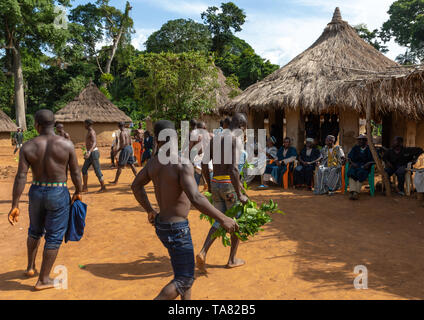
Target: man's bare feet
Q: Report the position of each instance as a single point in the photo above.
(31, 273)
(102, 190)
(44, 285)
(201, 262)
(84, 189)
(236, 263)
(113, 183)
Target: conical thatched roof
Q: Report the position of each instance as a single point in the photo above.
(223, 91)
(6, 124)
(310, 80)
(91, 104)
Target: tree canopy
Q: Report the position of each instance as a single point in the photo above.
(179, 36)
(406, 26)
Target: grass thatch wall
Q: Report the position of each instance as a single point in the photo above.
(5, 139)
(6, 124)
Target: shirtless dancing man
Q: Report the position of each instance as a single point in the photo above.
(48, 156)
(91, 157)
(175, 188)
(226, 190)
(126, 157)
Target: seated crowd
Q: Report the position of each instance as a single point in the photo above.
(321, 169)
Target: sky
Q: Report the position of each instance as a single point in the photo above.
(278, 30)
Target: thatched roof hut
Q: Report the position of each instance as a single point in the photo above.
(6, 127)
(396, 96)
(311, 81)
(397, 89)
(92, 104)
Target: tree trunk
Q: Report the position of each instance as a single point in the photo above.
(377, 160)
(19, 90)
(112, 54)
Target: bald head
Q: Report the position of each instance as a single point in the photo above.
(239, 121)
(44, 118)
(201, 125)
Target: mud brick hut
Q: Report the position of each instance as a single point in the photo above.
(310, 84)
(6, 127)
(91, 104)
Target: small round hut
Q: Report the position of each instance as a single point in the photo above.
(92, 104)
(6, 127)
(309, 83)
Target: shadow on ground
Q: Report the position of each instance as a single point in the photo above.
(145, 268)
(385, 235)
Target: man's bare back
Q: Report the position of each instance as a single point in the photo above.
(124, 138)
(48, 157)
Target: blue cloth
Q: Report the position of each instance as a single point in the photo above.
(49, 209)
(176, 237)
(148, 149)
(303, 174)
(76, 223)
(360, 157)
(276, 171)
(243, 159)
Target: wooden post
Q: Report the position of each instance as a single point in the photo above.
(294, 128)
(377, 160)
(349, 129)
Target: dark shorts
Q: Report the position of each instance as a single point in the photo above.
(147, 154)
(126, 156)
(93, 160)
(49, 209)
(176, 237)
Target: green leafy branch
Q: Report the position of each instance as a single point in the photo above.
(251, 219)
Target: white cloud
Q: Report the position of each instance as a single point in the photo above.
(185, 7)
(140, 37)
(280, 39)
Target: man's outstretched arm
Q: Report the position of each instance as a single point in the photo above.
(202, 204)
(18, 187)
(140, 194)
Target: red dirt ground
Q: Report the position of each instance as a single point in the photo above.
(310, 253)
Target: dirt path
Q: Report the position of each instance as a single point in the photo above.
(310, 253)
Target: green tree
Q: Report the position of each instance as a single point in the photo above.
(247, 66)
(372, 37)
(406, 26)
(180, 36)
(102, 22)
(175, 86)
(31, 26)
(223, 23)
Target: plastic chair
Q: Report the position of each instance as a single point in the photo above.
(371, 179)
(288, 175)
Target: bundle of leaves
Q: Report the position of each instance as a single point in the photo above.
(251, 219)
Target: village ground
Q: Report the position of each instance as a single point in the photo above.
(310, 253)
